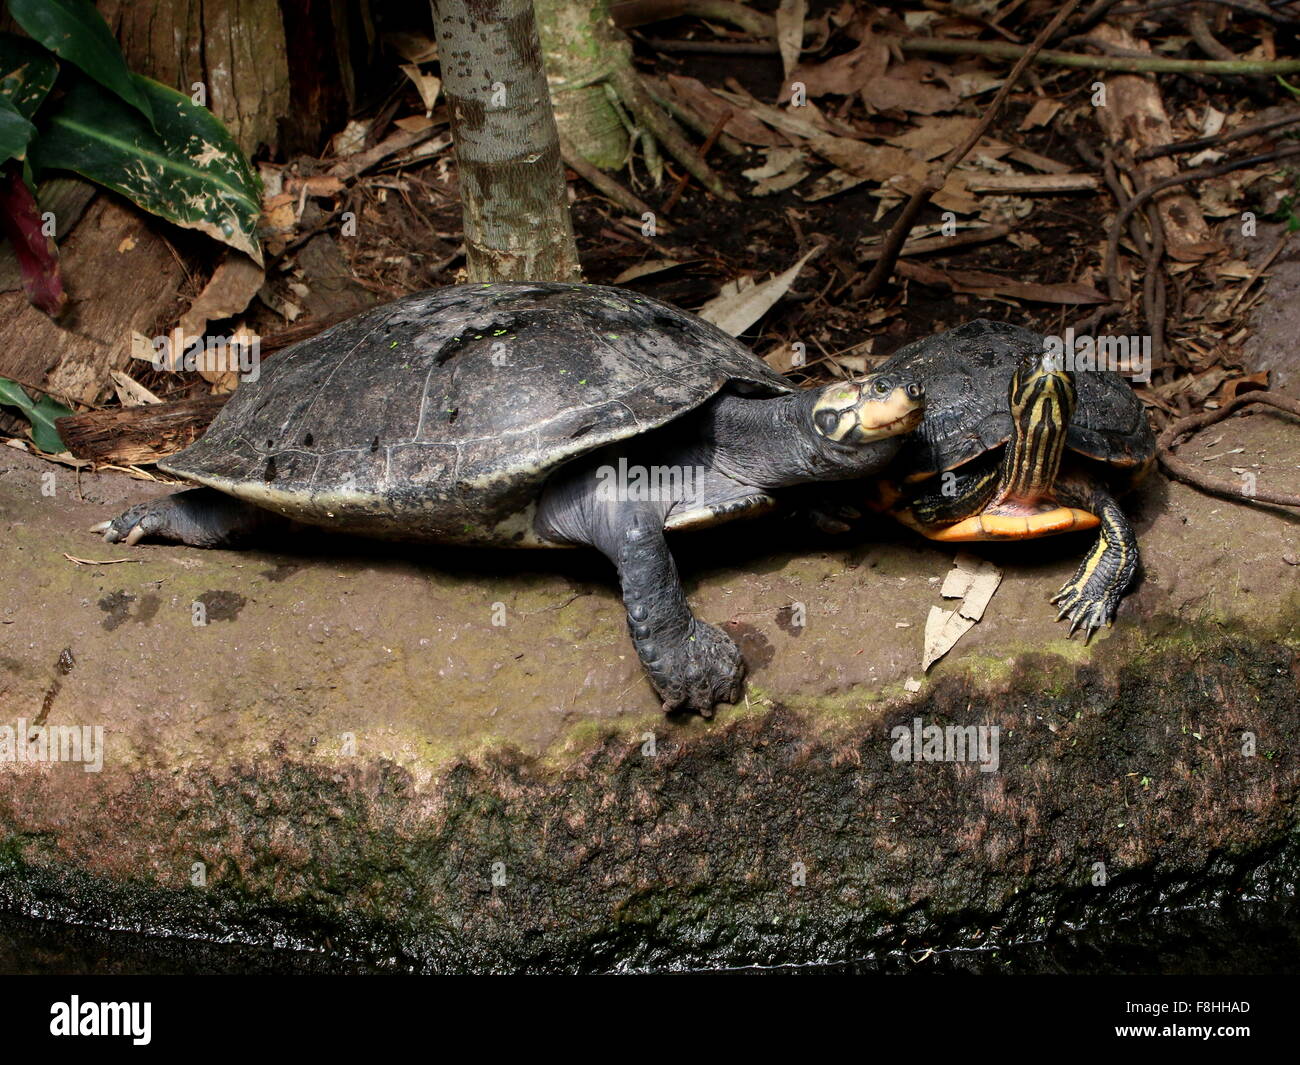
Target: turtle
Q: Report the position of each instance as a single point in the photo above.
(1016, 444)
(530, 414)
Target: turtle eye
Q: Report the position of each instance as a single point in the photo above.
(827, 422)
(884, 386)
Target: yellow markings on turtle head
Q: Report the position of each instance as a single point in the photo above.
(871, 409)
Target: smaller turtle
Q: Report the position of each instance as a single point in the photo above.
(531, 414)
(1013, 445)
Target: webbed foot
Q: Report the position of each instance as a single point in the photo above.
(705, 668)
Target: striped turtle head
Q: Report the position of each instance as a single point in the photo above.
(1042, 391)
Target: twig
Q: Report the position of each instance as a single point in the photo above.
(1185, 472)
(935, 179)
(1123, 64)
(661, 44)
(601, 181)
(1219, 169)
(1254, 7)
(924, 245)
(630, 90)
(1158, 151)
(1153, 282)
(1204, 37)
(705, 148)
(629, 13)
(1259, 270)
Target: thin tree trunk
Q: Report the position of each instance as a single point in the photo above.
(513, 196)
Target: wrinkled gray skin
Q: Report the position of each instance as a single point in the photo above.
(268, 444)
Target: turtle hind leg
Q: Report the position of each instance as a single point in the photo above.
(200, 517)
(1090, 598)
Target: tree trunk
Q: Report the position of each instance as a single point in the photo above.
(235, 49)
(582, 46)
(513, 195)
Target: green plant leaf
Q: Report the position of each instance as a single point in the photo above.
(15, 132)
(41, 413)
(27, 73)
(75, 31)
(189, 172)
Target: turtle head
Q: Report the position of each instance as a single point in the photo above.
(873, 408)
(1042, 390)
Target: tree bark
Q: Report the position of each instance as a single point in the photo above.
(513, 195)
(235, 48)
(582, 46)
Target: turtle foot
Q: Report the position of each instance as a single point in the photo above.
(199, 517)
(704, 669)
(1086, 604)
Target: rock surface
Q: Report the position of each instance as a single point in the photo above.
(349, 755)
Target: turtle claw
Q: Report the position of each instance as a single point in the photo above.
(100, 527)
(703, 670)
(1083, 610)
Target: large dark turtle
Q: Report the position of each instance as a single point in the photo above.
(1026, 447)
(530, 414)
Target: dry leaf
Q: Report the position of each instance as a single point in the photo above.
(789, 32)
(232, 287)
(979, 283)
(844, 74)
(426, 85)
(906, 94)
(934, 137)
(131, 392)
(943, 628)
(973, 580)
(652, 266)
(711, 107)
(783, 169)
(736, 309)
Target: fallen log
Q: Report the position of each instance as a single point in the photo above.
(130, 436)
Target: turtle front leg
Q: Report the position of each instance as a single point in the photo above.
(200, 517)
(691, 664)
(1089, 598)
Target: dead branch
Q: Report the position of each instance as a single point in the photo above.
(934, 181)
(1183, 471)
(1122, 63)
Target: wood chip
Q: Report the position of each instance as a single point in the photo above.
(1041, 114)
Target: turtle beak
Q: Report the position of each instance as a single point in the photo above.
(889, 405)
(876, 407)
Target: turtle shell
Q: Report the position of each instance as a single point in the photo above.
(440, 415)
(967, 373)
